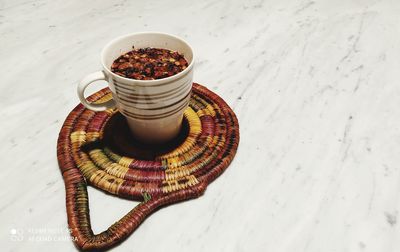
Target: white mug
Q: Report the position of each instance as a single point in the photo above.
(153, 108)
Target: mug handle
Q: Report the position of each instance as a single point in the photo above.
(86, 82)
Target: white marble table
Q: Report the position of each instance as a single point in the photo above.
(315, 85)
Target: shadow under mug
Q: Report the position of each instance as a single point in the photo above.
(153, 108)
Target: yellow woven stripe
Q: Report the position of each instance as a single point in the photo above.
(177, 172)
(110, 111)
(175, 185)
(194, 131)
(102, 161)
(208, 110)
(92, 136)
(78, 137)
(173, 162)
(107, 182)
(125, 161)
(194, 121)
(99, 158)
(219, 142)
(117, 170)
(105, 98)
(199, 103)
(87, 168)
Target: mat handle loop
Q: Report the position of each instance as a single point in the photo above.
(79, 216)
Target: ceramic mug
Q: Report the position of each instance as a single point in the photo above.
(153, 108)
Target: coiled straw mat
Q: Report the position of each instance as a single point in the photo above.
(96, 148)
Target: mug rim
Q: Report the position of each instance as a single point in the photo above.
(147, 82)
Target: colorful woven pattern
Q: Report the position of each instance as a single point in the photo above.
(95, 148)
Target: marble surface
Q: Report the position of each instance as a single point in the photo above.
(315, 86)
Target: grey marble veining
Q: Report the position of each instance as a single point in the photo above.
(315, 86)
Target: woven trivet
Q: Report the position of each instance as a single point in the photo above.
(96, 148)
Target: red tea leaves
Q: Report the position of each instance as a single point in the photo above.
(149, 64)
